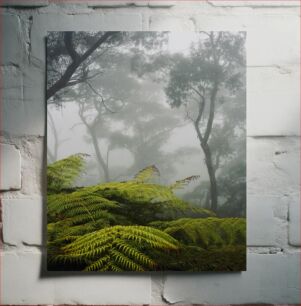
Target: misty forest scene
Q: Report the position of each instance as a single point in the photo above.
(146, 151)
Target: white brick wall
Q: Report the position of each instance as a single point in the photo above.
(273, 172)
(10, 170)
(269, 279)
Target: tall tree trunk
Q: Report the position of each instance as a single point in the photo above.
(99, 157)
(211, 173)
(102, 165)
(204, 142)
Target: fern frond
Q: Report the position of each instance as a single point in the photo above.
(98, 264)
(115, 268)
(184, 182)
(80, 207)
(134, 192)
(123, 245)
(134, 253)
(147, 174)
(207, 232)
(63, 203)
(127, 263)
(63, 173)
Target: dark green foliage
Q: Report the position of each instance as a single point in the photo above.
(195, 259)
(135, 225)
(206, 233)
(210, 244)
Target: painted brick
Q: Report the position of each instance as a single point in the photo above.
(294, 221)
(273, 39)
(250, 3)
(10, 169)
(268, 279)
(157, 287)
(33, 101)
(23, 282)
(22, 221)
(122, 22)
(66, 7)
(273, 97)
(23, 101)
(273, 165)
(170, 23)
(116, 4)
(24, 3)
(260, 220)
(12, 43)
(33, 167)
(12, 99)
(166, 4)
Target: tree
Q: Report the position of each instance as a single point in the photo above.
(196, 82)
(78, 64)
(71, 55)
(62, 51)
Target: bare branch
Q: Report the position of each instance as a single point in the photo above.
(198, 92)
(76, 62)
(101, 97)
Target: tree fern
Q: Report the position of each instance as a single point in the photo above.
(77, 203)
(207, 232)
(63, 173)
(125, 226)
(117, 248)
(147, 174)
(184, 182)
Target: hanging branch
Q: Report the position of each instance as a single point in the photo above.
(77, 60)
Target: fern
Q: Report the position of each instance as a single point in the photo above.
(117, 248)
(147, 174)
(114, 226)
(63, 173)
(76, 204)
(184, 182)
(207, 232)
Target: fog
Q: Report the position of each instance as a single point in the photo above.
(73, 138)
(128, 116)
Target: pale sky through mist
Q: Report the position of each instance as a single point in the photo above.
(73, 135)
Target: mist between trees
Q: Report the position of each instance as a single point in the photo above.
(130, 100)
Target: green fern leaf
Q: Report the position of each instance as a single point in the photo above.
(63, 173)
(184, 182)
(117, 246)
(206, 232)
(147, 174)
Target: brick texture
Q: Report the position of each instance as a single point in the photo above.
(273, 152)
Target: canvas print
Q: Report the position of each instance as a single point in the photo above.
(146, 151)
